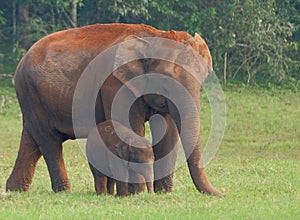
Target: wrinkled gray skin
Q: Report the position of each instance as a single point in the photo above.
(138, 160)
(46, 79)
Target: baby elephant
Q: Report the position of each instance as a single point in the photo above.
(116, 159)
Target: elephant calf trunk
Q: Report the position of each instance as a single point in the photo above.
(150, 187)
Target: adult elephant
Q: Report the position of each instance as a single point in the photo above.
(46, 80)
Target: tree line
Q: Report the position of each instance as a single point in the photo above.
(251, 41)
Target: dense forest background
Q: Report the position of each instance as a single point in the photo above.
(252, 41)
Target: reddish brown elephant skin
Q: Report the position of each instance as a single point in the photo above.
(45, 82)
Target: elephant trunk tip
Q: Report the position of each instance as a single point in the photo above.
(215, 192)
(201, 182)
(210, 190)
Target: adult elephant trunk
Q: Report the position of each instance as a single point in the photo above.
(188, 124)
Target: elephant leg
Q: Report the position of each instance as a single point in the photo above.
(100, 184)
(122, 188)
(165, 152)
(51, 148)
(111, 186)
(137, 119)
(23, 172)
(100, 181)
(136, 183)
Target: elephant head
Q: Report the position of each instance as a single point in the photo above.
(179, 59)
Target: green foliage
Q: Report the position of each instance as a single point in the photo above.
(254, 35)
(1, 62)
(2, 19)
(18, 52)
(252, 41)
(133, 8)
(171, 14)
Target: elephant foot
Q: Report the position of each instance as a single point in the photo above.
(101, 190)
(164, 185)
(135, 188)
(12, 185)
(21, 177)
(64, 186)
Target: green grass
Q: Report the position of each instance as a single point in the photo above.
(257, 168)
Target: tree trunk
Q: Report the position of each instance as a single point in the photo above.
(98, 12)
(24, 35)
(23, 13)
(14, 18)
(74, 12)
(117, 18)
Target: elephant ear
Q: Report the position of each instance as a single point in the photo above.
(123, 150)
(128, 61)
(203, 50)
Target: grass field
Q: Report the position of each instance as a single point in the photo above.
(257, 168)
